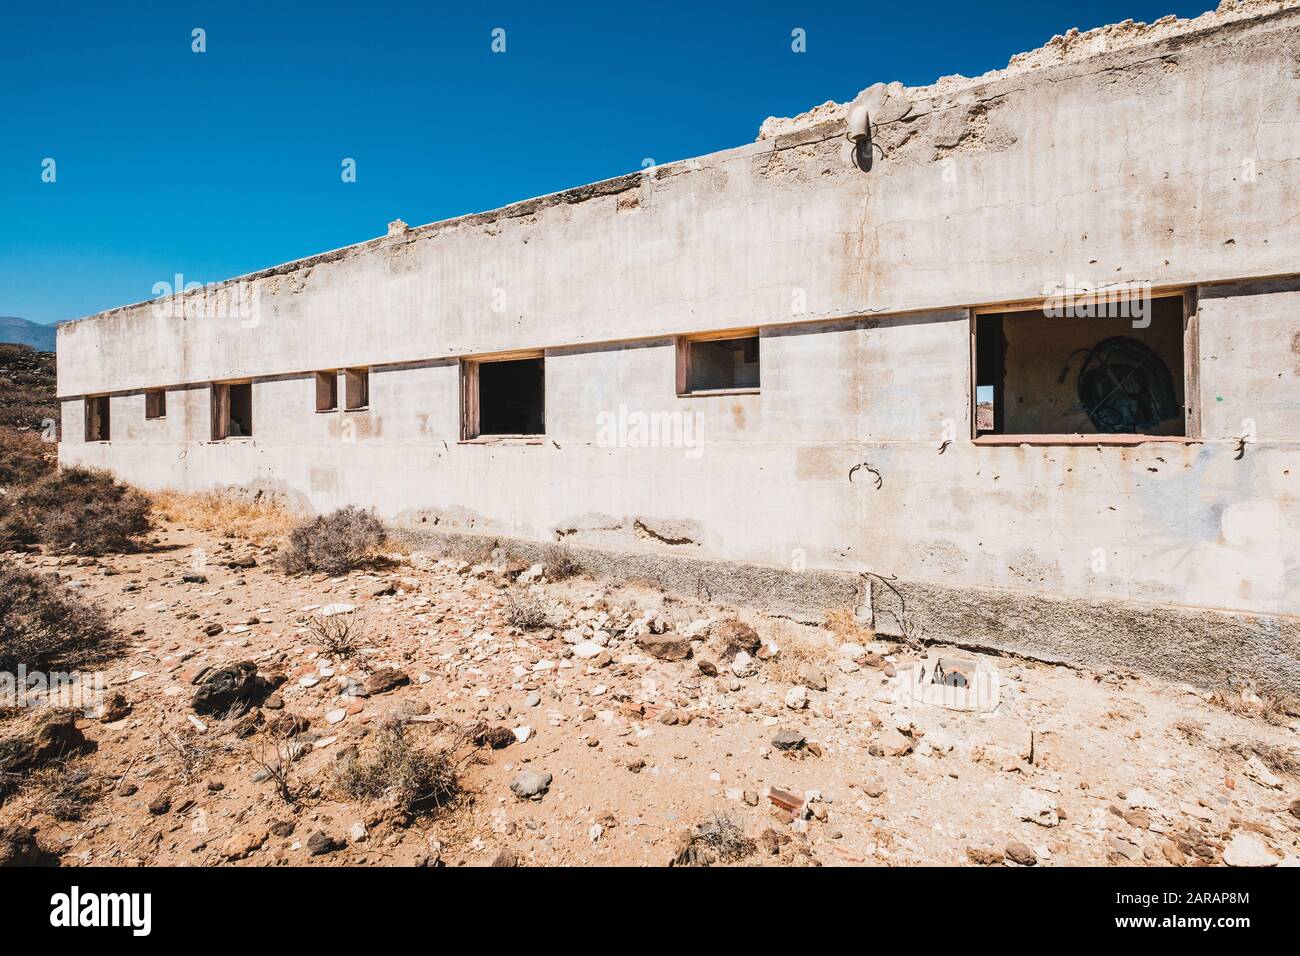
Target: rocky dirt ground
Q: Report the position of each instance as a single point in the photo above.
(604, 743)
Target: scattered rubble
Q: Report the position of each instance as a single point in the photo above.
(633, 727)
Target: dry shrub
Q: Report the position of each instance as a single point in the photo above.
(717, 840)
(525, 609)
(1280, 760)
(1277, 709)
(33, 738)
(391, 766)
(339, 635)
(188, 754)
(558, 562)
(334, 543)
(46, 626)
(256, 518)
(65, 789)
(276, 756)
(24, 457)
(79, 509)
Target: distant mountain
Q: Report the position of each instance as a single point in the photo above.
(23, 332)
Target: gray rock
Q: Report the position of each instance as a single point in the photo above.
(788, 740)
(318, 844)
(530, 784)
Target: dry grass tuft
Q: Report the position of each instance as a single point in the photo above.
(1279, 710)
(65, 789)
(843, 623)
(257, 519)
(798, 647)
(411, 777)
(522, 608)
(1280, 760)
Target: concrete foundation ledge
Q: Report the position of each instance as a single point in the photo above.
(1207, 648)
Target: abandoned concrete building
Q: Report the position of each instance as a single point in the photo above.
(1024, 349)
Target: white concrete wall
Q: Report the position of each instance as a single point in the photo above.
(1126, 168)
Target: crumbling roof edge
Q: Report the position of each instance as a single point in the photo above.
(1069, 49)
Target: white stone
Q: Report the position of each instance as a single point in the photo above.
(1246, 849)
(743, 665)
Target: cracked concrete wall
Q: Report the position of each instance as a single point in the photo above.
(1176, 162)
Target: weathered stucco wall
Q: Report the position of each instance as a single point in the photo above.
(1176, 163)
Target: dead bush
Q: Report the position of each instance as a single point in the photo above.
(717, 840)
(334, 543)
(189, 755)
(24, 457)
(339, 635)
(45, 626)
(64, 789)
(276, 755)
(1277, 709)
(390, 766)
(558, 562)
(255, 517)
(1280, 760)
(34, 738)
(525, 609)
(79, 509)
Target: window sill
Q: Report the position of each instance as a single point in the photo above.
(327, 411)
(359, 408)
(708, 392)
(504, 440)
(1083, 440)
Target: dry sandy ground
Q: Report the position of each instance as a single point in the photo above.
(640, 750)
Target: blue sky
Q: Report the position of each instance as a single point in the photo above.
(219, 163)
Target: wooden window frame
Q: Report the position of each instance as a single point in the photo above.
(328, 382)
(470, 422)
(98, 419)
(356, 397)
(155, 404)
(221, 409)
(1191, 377)
(683, 378)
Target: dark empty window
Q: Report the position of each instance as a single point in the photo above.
(1097, 370)
(97, 419)
(232, 410)
(504, 398)
(358, 387)
(327, 391)
(155, 404)
(711, 365)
